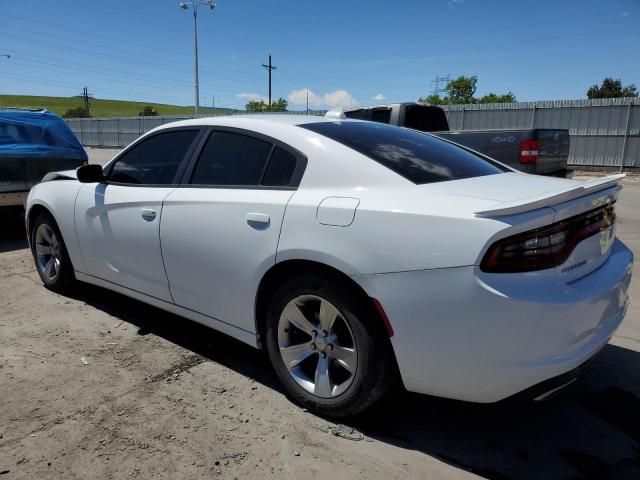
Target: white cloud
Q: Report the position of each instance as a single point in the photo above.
(625, 14)
(339, 98)
(299, 97)
(379, 97)
(251, 96)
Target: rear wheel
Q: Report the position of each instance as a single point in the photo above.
(50, 254)
(325, 347)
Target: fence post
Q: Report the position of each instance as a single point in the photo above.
(533, 117)
(626, 136)
(462, 120)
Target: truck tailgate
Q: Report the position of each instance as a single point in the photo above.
(553, 150)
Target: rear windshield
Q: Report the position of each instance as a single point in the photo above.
(416, 156)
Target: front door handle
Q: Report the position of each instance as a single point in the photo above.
(148, 214)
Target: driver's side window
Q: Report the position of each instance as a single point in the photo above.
(154, 161)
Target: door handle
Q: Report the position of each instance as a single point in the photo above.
(148, 214)
(258, 218)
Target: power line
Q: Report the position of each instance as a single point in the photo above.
(269, 68)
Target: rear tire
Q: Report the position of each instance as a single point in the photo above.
(326, 347)
(50, 254)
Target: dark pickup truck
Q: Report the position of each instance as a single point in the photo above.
(540, 151)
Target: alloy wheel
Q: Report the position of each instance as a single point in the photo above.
(317, 346)
(48, 252)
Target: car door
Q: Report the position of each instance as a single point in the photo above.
(220, 229)
(118, 220)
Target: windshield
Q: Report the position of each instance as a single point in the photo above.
(416, 156)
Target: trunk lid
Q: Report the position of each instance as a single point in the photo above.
(578, 203)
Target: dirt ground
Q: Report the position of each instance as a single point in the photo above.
(96, 385)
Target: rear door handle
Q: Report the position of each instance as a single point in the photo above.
(148, 214)
(257, 218)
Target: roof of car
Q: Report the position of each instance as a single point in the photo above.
(274, 118)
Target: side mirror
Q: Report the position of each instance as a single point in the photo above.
(90, 173)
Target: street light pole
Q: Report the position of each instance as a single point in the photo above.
(194, 5)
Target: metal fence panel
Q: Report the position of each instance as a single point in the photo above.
(598, 128)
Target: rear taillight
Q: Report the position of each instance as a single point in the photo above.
(545, 247)
(529, 151)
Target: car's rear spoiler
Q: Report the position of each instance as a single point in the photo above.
(549, 199)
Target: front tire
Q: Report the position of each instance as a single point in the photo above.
(50, 254)
(326, 347)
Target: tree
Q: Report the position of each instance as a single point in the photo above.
(434, 99)
(279, 105)
(494, 98)
(611, 88)
(148, 111)
(78, 112)
(462, 89)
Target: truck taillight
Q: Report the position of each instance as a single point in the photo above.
(529, 151)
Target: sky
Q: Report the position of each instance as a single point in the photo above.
(345, 53)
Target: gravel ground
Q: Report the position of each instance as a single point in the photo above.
(96, 385)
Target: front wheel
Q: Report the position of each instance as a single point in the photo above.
(326, 348)
(50, 254)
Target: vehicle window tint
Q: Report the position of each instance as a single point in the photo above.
(280, 169)
(382, 115)
(418, 157)
(426, 118)
(155, 161)
(231, 159)
(359, 114)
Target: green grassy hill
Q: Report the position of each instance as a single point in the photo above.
(99, 108)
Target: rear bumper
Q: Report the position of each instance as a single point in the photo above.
(12, 199)
(463, 334)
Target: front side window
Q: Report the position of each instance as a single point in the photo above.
(231, 159)
(418, 157)
(155, 160)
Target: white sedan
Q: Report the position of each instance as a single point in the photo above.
(358, 254)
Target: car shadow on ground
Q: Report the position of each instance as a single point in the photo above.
(590, 431)
(12, 232)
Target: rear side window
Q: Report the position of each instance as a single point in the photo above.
(231, 159)
(280, 169)
(155, 160)
(416, 156)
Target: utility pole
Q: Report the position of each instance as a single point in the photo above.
(269, 67)
(85, 99)
(194, 6)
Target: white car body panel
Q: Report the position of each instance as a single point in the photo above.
(458, 332)
(119, 236)
(203, 269)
